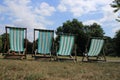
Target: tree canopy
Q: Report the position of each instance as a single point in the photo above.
(117, 43)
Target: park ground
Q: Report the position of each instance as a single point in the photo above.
(31, 69)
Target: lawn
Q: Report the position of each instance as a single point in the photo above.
(31, 69)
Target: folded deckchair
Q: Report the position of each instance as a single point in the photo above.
(66, 45)
(44, 43)
(96, 50)
(15, 42)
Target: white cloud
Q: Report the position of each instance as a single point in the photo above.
(108, 18)
(81, 7)
(62, 8)
(23, 13)
(108, 14)
(89, 22)
(116, 29)
(45, 9)
(78, 8)
(2, 9)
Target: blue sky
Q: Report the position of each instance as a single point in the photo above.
(50, 14)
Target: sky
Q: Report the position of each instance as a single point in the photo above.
(50, 14)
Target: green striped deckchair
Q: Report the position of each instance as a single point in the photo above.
(16, 40)
(44, 43)
(96, 49)
(66, 46)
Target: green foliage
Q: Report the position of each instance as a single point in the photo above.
(0, 43)
(83, 32)
(109, 47)
(70, 27)
(29, 46)
(117, 43)
(3, 43)
(94, 30)
(116, 4)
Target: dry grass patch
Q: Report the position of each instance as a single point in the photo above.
(45, 70)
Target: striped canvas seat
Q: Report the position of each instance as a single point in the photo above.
(96, 49)
(66, 45)
(16, 37)
(16, 42)
(45, 41)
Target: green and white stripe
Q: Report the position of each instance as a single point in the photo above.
(16, 37)
(95, 47)
(66, 45)
(45, 42)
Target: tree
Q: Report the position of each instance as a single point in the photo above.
(4, 47)
(0, 43)
(116, 5)
(110, 46)
(29, 46)
(117, 43)
(94, 30)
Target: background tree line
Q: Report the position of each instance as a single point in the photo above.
(84, 32)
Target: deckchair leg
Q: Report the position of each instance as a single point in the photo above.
(35, 53)
(25, 56)
(72, 58)
(83, 58)
(86, 58)
(8, 51)
(56, 58)
(97, 58)
(76, 58)
(104, 58)
(50, 57)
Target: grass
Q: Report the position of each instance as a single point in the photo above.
(44, 70)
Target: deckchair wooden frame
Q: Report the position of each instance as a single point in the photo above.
(40, 55)
(18, 55)
(100, 55)
(73, 50)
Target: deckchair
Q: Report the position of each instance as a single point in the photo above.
(44, 43)
(66, 45)
(96, 50)
(15, 42)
